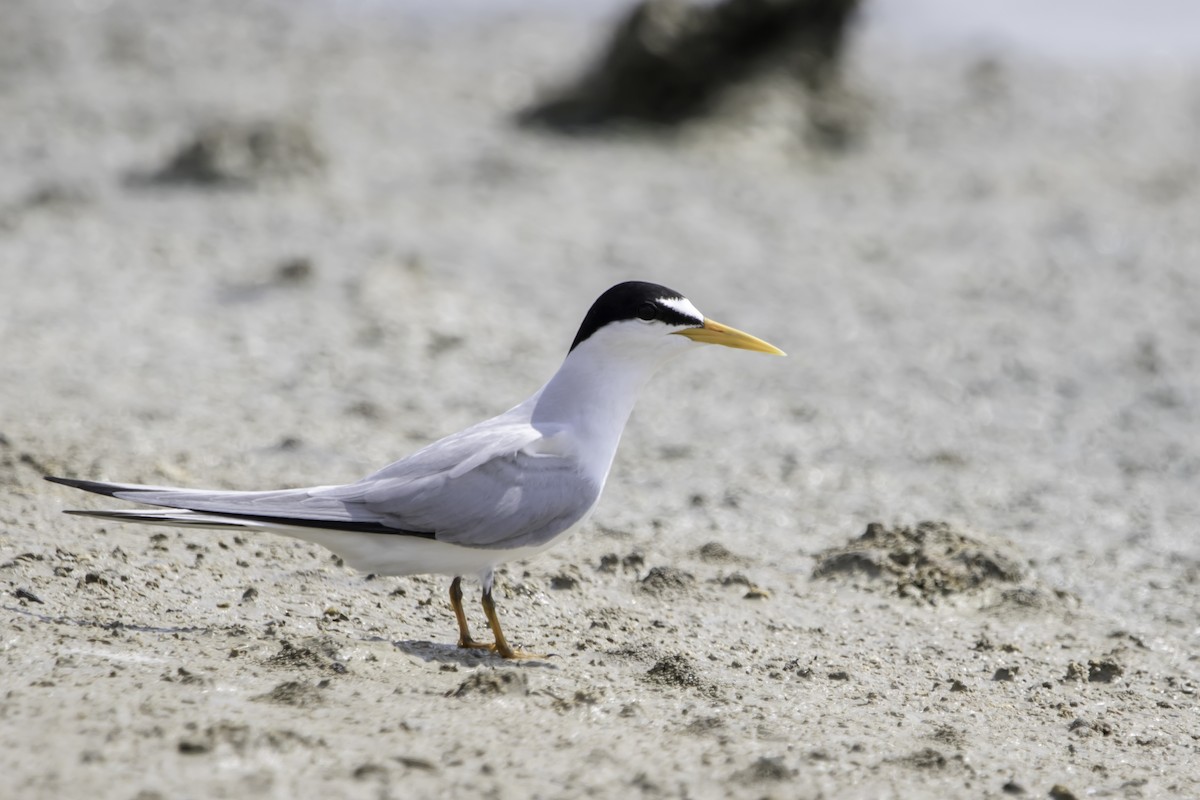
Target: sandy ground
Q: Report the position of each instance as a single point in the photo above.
(990, 303)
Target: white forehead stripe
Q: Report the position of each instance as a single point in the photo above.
(683, 306)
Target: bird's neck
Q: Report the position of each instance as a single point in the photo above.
(592, 396)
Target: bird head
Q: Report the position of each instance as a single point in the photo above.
(656, 321)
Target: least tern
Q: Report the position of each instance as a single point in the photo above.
(502, 490)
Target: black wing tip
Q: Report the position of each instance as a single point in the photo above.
(111, 490)
(96, 487)
(352, 526)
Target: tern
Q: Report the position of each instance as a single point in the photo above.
(502, 490)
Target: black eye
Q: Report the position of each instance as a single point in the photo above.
(647, 311)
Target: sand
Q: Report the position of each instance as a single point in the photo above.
(989, 300)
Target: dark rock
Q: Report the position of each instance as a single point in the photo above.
(670, 61)
(25, 594)
(192, 747)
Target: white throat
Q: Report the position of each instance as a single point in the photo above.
(593, 393)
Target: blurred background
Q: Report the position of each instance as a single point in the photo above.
(260, 243)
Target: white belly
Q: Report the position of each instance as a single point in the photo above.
(388, 554)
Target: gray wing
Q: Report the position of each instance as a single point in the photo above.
(496, 484)
(302, 507)
(501, 483)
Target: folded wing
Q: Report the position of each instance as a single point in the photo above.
(490, 485)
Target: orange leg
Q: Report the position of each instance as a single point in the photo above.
(501, 647)
(464, 633)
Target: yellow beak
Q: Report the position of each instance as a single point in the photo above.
(715, 333)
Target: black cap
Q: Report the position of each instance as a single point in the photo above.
(634, 300)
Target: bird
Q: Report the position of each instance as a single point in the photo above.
(501, 490)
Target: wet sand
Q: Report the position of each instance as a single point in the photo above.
(989, 305)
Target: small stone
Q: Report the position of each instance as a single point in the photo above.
(294, 270)
(564, 582)
(1104, 671)
(192, 747)
(1006, 674)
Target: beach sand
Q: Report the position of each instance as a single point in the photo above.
(990, 303)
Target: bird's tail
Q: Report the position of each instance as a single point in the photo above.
(181, 518)
(174, 516)
(204, 508)
(363, 542)
(107, 488)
